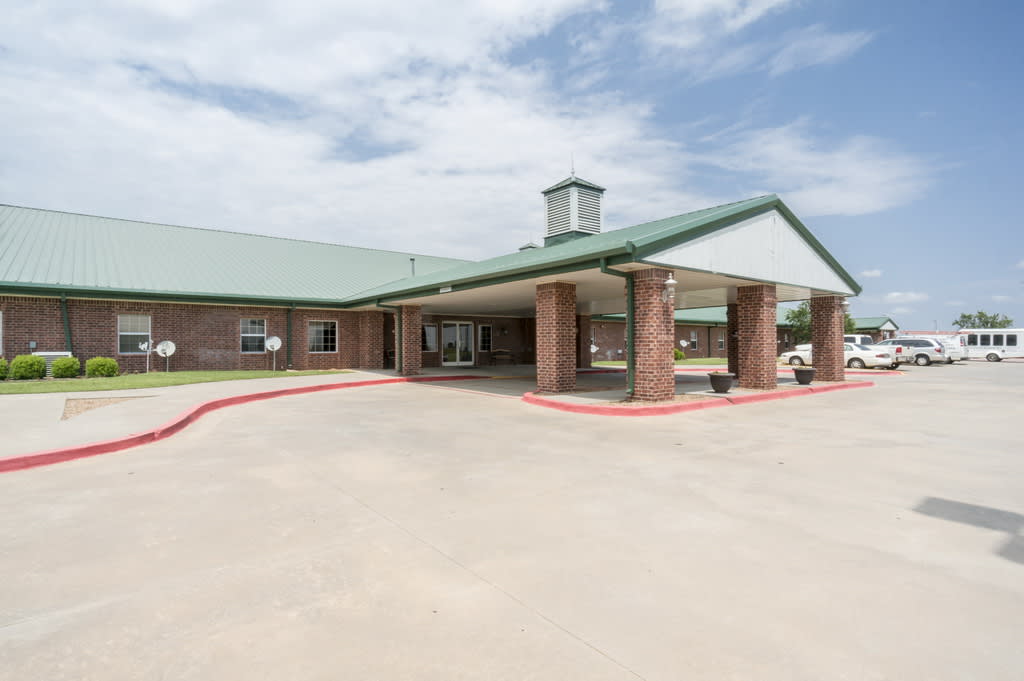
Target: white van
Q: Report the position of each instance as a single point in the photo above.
(994, 345)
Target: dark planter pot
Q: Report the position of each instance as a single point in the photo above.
(804, 375)
(721, 382)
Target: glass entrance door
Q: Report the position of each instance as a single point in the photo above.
(457, 343)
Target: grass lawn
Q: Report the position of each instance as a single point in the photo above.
(679, 362)
(151, 380)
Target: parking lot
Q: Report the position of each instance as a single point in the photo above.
(421, 531)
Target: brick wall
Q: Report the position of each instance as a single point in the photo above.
(584, 337)
(653, 335)
(756, 317)
(556, 337)
(827, 338)
(206, 336)
(507, 333)
(732, 332)
(411, 319)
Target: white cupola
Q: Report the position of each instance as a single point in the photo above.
(573, 210)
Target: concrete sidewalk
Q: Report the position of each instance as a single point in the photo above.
(40, 427)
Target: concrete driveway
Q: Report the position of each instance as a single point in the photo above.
(424, 532)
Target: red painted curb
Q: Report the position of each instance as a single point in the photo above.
(180, 422)
(653, 410)
(768, 397)
(663, 409)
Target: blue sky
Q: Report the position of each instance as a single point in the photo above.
(890, 128)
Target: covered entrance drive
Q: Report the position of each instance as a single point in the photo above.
(747, 256)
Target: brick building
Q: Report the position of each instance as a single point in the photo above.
(107, 287)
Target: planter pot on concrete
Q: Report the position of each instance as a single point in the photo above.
(804, 375)
(721, 381)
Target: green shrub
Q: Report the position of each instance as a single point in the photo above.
(101, 366)
(678, 354)
(66, 367)
(3, 368)
(27, 367)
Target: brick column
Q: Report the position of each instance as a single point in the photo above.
(556, 337)
(583, 338)
(411, 319)
(755, 306)
(654, 329)
(371, 339)
(732, 331)
(827, 338)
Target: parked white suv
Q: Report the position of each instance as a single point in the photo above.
(923, 351)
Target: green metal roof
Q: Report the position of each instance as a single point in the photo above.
(42, 250)
(572, 179)
(629, 244)
(700, 316)
(872, 323)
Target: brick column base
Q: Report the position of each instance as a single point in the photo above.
(654, 329)
(732, 332)
(827, 338)
(556, 337)
(755, 306)
(371, 339)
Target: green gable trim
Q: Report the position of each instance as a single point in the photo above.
(655, 243)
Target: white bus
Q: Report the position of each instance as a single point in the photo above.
(993, 344)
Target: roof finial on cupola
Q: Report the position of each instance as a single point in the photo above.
(572, 165)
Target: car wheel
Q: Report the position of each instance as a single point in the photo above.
(922, 360)
(949, 361)
(992, 357)
(796, 361)
(856, 363)
(894, 366)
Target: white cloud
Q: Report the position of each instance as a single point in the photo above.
(855, 176)
(870, 274)
(955, 303)
(1002, 298)
(1020, 265)
(902, 310)
(905, 297)
(408, 130)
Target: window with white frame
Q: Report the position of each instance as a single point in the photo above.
(693, 340)
(485, 338)
(133, 334)
(428, 337)
(721, 340)
(254, 335)
(323, 336)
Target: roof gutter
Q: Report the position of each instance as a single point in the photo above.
(67, 323)
(630, 326)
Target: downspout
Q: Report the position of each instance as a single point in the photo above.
(288, 333)
(630, 311)
(67, 323)
(398, 333)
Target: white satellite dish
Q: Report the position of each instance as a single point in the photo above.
(273, 344)
(683, 343)
(165, 348)
(593, 348)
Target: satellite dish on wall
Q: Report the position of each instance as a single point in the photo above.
(683, 343)
(273, 344)
(165, 348)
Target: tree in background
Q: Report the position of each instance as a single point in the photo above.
(982, 320)
(800, 319)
